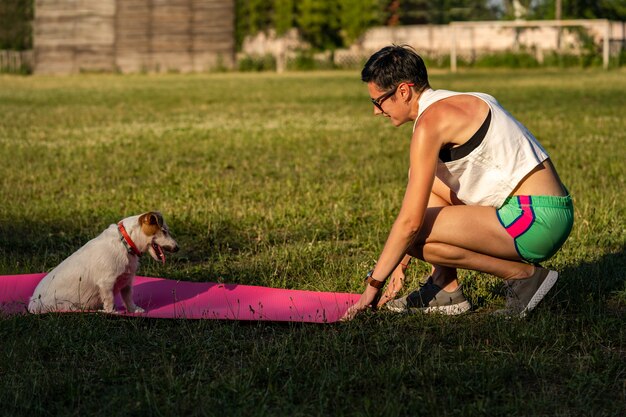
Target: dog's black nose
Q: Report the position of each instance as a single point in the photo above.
(175, 248)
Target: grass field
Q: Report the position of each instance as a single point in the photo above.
(289, 181)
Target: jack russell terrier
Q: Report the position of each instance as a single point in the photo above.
(92, 276)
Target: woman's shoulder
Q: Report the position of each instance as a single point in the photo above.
(456, 109)
(454, 119)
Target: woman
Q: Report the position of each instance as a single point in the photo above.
(482, 194)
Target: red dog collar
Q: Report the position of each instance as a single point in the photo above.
(127, 241)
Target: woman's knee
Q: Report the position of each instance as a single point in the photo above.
(436, 252)
(427, 225)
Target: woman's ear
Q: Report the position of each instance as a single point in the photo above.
(406, 92)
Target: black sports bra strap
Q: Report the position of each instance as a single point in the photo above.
(452, 154)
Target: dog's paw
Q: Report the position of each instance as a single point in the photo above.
(138, 310)
(109, 311)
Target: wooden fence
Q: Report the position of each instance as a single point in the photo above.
(133, 35)
(16, 61)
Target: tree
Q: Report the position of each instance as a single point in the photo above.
(573, 9)
(284, 15)
(519, 9)
(446, 11)
(412, 12)
(15, 24)
(595, 9)
(415, 12)
(356, 16)
(330, 24)
(613, 9)
(318, 21)
(252, 16)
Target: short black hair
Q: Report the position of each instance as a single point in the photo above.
(395, 64)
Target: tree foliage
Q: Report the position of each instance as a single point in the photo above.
(570, 9)
(446, 11)
(356, 16)
(329, 24)
(319, 23)
(252, 16)
(15, 24)
(595, 9)
(284, 15)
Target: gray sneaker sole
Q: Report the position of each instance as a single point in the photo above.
(451, 310)
(541, 292)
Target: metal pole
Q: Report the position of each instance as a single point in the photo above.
(606, 45)
(453, 50)
(557, 16)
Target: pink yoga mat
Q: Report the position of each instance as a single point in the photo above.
(164, 298)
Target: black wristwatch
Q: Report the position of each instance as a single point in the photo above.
(371, 281)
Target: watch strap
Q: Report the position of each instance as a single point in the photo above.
(374, 283)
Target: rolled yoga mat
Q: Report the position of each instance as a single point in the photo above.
(165, 298)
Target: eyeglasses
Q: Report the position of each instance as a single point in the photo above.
(378, 102)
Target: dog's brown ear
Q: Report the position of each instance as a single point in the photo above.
(151, 222)
(156, 218)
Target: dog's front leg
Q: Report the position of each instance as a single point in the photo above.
(108, 298)
(127, 296)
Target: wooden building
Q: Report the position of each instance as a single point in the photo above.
(72, 36)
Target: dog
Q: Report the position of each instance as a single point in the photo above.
(90, 278)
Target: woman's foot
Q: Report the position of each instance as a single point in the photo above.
(523, 295)
(430, 298)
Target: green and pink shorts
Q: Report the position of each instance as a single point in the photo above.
(539, 225)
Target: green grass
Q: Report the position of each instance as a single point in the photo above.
(289, 181)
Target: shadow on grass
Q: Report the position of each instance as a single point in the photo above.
(595, 284)
(591, 285)
(209, 249)
(30, 235)
(222, 249)
(36, 245)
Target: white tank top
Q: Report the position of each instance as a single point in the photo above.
(490, 172)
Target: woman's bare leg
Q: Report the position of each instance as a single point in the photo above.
(467, 237)
(443, 276)
(456, 257)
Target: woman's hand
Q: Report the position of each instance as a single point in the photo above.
(396, 283)
(367, 299)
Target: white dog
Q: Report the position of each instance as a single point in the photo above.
(105, 266)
